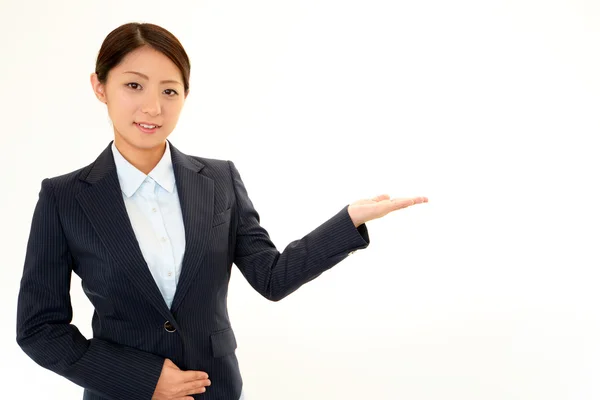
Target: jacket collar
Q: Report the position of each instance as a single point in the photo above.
(102, 202)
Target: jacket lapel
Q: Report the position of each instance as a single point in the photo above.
(196, 196)
(103, 204)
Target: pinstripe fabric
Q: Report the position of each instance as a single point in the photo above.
(153, 207)
(80, 225)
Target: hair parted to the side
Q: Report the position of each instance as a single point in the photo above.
(131, 36)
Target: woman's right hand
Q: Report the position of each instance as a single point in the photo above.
(175, 384)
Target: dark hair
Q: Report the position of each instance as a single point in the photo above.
(131, 36)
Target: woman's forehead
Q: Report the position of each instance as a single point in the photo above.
(149, 64)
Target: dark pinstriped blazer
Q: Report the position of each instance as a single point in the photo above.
(80, 224)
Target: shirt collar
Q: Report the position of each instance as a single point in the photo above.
(130, 178)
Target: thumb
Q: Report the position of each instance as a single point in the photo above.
(170, 364)
(381, 197)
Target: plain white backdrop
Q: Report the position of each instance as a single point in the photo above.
(489, 108)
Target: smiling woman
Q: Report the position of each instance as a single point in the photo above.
(142, 74)
(153, 234)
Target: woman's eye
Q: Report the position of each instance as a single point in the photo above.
(137, 86)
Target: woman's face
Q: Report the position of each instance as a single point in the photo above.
(145, 88)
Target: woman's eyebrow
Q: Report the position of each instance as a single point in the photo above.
(146, 77)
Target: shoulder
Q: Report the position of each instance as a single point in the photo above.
(211, 163)
(66, 184)
(213, 167)
(74, 181)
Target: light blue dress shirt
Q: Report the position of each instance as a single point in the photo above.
(155, 213)
(154, 210)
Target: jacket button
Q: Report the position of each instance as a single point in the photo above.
(169, 327)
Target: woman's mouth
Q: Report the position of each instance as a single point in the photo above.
(147, 128)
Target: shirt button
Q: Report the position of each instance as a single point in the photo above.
(170, 273)
(163, 239)
(154, 210)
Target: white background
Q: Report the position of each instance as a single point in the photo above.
(490, 108)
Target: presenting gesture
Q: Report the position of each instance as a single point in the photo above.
(365, 210)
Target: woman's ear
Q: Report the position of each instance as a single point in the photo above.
(99, 89)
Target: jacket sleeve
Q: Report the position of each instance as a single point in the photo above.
(44, 314)
(276, 274)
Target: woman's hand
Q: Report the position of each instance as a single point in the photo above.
(175, 384)
(365, 210)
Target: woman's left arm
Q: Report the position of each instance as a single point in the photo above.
(276, 274)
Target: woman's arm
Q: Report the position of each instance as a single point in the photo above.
(44, 314)
(275, 275)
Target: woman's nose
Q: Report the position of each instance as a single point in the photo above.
(151, 105)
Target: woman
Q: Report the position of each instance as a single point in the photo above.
(153, 234)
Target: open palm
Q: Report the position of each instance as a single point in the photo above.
(365, 210)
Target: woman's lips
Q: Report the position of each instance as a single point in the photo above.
(146, 130)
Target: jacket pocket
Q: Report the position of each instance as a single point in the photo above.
(223, 342)
(221, 217)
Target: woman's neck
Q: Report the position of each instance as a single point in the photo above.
(143, 159)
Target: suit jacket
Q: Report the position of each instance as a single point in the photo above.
(80, 225)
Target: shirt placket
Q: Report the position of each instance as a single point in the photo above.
(166, 267)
